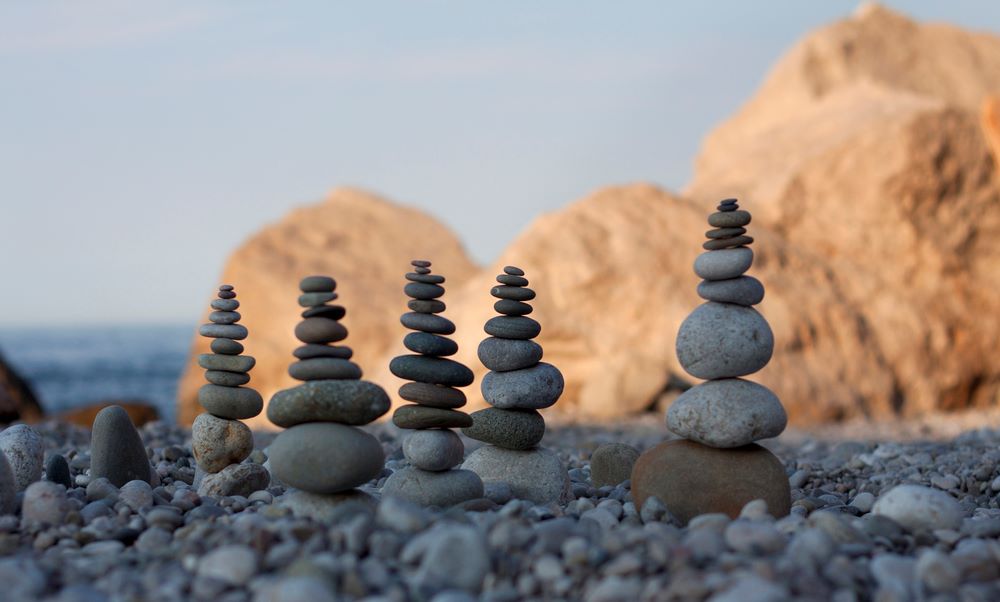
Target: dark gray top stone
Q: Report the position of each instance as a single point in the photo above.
(513, 271)
(427, 323)
(515, 293)
(116, 449)
(353, 402)
(420, 290)
(429, 344)
(318, 284)
(420, 263)
(226, 287)
(434, 370)
(223, 331)
(513, 327)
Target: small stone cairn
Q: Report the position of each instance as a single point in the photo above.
(717, 467)
(220, 442)
(517, 386)
(321, 455)
(433, 449)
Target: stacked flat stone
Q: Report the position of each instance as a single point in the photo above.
(433, 449)
(717, 467)
(219, 439)
(517, 386)
(321, 455)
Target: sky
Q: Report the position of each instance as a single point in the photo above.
(141, 142)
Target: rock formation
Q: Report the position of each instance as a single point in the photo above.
(356, 235)
(321, 455)
(220, 442)
(991, 126)
(17, 400)
(721, 341)
(517, 386)
(433, 449)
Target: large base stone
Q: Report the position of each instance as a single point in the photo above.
(442, 489)
(325, 457)
(537, 475)
(692, 479)
(327, 507)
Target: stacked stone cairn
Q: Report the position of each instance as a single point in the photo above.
(433, 449)
(717, 467)
(321, 455)
(220, 442)
(517, 386)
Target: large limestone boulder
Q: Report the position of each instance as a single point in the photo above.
(864, 153)
(366, 243)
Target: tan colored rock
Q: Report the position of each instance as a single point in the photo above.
(366, 243)
(991, 125)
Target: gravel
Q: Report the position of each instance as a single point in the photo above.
(167, 542)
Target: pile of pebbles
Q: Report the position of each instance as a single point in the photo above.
(432, 449)
(885, 521)
(220, 442)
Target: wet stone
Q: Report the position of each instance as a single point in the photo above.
(513, 327)
(514, 293)
(430, 344)
(427, 323)
(320, 331)
(317, 284)
(305, 352)
(509, 307)
(226, 347)
(419, 290)
(432, 395)
(423, 417)
(324, 368)
(426, 306)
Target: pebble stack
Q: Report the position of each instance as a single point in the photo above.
(517, 386)
(321, 455)
(220, 442)
(433, 449)
(717, 467)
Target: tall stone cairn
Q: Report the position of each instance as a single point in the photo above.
(321, 456)
(433, 449)
(220, 442)
(517, 386)
(717, 467)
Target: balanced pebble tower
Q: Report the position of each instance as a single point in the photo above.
(717, 467)
(320, 454)
(432, 449)
(220, 442)
(517, 386)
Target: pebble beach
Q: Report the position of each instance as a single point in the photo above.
(845, 539)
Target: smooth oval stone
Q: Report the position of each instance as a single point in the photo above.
(611, 464)
(223, 331)
(423, 417)
(530, 389)
(325, 457)
(729, 219)
(723, 264)
(317, 284)
(57, 471)
(227, 379)
(226, 287)
(226, 347)
(332, 312)
(25, 452)
(426, 306)
(320, 331)
(722, 340)
(353, 402)
(216, 443)
(425, 278)
(434, 370)
(224, 317)
(918, 508)
(728, 412)
(693, 479)
(536, 475)
(510, 429)
(745, 290)
(511, 280)
(503, 355)
(324, 368)
(225, 304)
(512, 327)
(422, 270)
(305, 352)
(429, 344)
(420, 263)
(509, 307)
(514, 293)
(116, 449)
(435, 396)
(227, 295)
(513, 270)
(237, 403)
(229, 363)
(441, 489)
(419, 290)
(433, 449)
(427, 323)
(725, 233)
(315, 299)
(726, 243)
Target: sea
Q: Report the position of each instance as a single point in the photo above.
(70, 367)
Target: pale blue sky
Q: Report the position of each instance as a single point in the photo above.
(140, 142)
